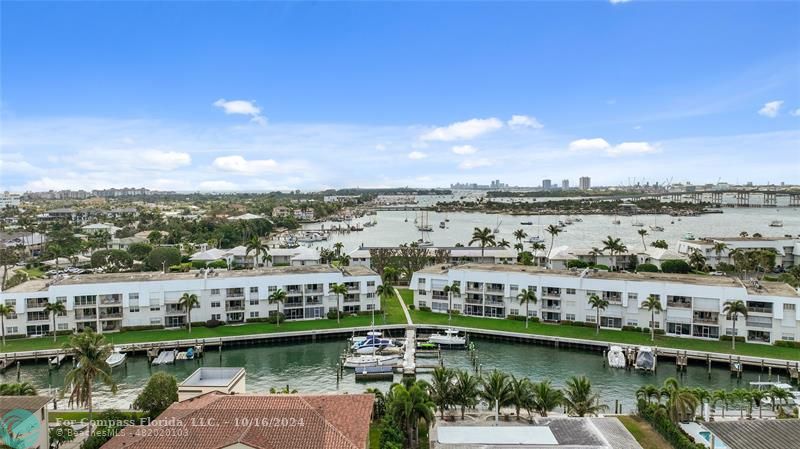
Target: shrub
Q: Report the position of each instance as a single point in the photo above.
(671, 432)
(143, 328)
(787, 344)
(111, 260)
(140, 251)
(163, 255)
(577, 264)
(424, 309)
(220, 264)
(647, 268)
(159, 393)
(601, 267)
(515, 317)
(675, 266)
(212, 323)
(728, 338)
(455, 312)
(273, 317)
(411, 306)
(331, 315)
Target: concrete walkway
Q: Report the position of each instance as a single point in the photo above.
(403, 305)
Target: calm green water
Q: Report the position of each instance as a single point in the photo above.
(311, 368)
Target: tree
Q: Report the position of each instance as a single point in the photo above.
(409, 405)
(778, 396)
(140, 251)
(484, 237)
(187, 302)
(379, 405)
(255, 246)
(598, 304)
(53, 309)
(643, 234)
(520, 392)
(6, 311)
(277, 297)
(441, 389)
(91, 351)
(390, 274)
(450, 290)
(496, 390)
(732, 310)
(8, 258)
(536, 247)
(466, 391)
(681, 402)
(155, 237)
(553, 230)
(758, 397)
(675, 266)
(660, 244)
(163, 257)
(111, 260)
(520, 235)
(338, 290)
(718, 396)
(526, 297)
(159, 393)
(580, 400)
(697, 260)
(614, 246)
(60, 434)
(337, 248)
(647, 393)
(18, 389)
(545, 397)
(653, 305)
(718, 248)
(384, 292)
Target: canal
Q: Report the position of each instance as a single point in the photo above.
(311, 368)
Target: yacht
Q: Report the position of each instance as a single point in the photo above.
(688, 236)
(361, 360)
(424, 226)
(450, 337)
(776, 224)
(535, 239)
(496, 229)
(568, 221)
(372, 344)
(616, 357)
(577, 219)
(116, 358)
(645, 359)
(526, 223)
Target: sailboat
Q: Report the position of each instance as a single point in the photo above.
(497, 226)
(424, 226)
(655, 227)
(616, 220)
(637, 223)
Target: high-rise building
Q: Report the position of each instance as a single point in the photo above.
(585, 183)
(565, 184)
(547, 184)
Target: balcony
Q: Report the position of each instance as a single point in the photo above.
(495, 289)
(36, 303)
(760, 309)
(111, 316)
(234, 308)
(613, 297)
(473, 300)
(234, 293)
(85, 317)
(679, 304)
(551, 293)
(171, 310)
(313, 301)
(494, 303)
(352, 288)
(762, 323)
(474, 287)
(556, 306)
(90, 305)
(110, 300)
(294, 290)
(713, 321)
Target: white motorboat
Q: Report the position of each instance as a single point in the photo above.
(688, 236)
(116, 358)
(442, 225)
(637, 224)
(421, 242)
(372, 344)
(356, 361)
(776, 224)
(616, 357)
(535, 239)
(645, 359)
(450, 337)
(657, 228)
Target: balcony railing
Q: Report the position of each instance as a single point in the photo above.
(106, 316)
(494, 303)
(551, 307)
(473, 301)
(85, 317)
(714, 321)
(759, 310)
(759, 324)
(680, 305)
(234, 294)
(110, 301)
(234, 308)
(33, 304)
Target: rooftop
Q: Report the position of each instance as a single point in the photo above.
(212, 377)
(29, 403)
(757, 434)
(336, 421)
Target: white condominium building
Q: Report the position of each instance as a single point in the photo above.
(111, 302)
(786, 248)
(692, 304)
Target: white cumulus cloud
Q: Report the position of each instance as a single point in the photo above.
(465, 130)
(464, 149)
(524, 121)
(771, 109)
(469, 164)
(601, 145)
(632, 148)
(242, 107)
(796, 112)
(250, 167)
(417, 155)
(596, 144)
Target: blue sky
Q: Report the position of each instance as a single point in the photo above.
(309, 95)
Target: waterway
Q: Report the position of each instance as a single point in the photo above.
(393, 229)
(311, 368)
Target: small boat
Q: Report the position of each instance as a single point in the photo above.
(645, 359)
(442, 225)
(421, 242)
(657, 228)
(568, 221)
(190, 353)
(776, 224)
(616, 221)
(116, 358)
(577, 219)
(688, 236)
(535, 239)
(616, 357)
(526, 223)
(637, 224)
(372, 344)
(361, 360)
(450, 337)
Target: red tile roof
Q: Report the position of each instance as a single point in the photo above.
(275, 421)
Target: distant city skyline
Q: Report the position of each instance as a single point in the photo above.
(262, 96)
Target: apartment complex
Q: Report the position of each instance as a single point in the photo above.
(111, 302)
(786, 248)
(455, 254)
(8, 199)
(692, 304)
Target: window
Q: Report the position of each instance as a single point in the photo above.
(253, 314)
(253, 289)
(214, 292)
(133, 297)
(154, 305)
(423, 304)
(633, 322)
(133, 302)
(513, 312)
(85, 300)
(633, 296)
(215, 304)
(216, 316)
(788, 307)
(591, 319)
(422, 292)
(133, 309)
(370, 306)
(787, 337)
(570, 291)
(590, 292)
(155, 321)
(63, 326)
(11, 302)
(570, 317)
(457, 307)
(532, 313)
(254, 302)
(12, 330)
(272, 288)
(655, 296)
(370, 295)
(513, 287)
(370, 283)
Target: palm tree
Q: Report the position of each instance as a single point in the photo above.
(614, 246)
(410, 405)
(719, 396)
(8, 257)
(732, 310)
(496, 390)
(778, 396)
(653, 305)
(598, 304)
(580, 400)
(718, 248)
(466, 390)
(383, 291)
(553, 230)
(91, 351)
(53, 309)
(6, 311)
(697, 260)
(337, 248)
(441, 388)
(647, 393)
(545, 397)
(503, 243)
(338, 290)
(643, 234)
(277, 297)
(187, 302)
(535, 248)
(520, 393)
(379, 406)
(520, 235)
(484, 237)
(451, 290)
(527, 297)
(18, 389)
(519, 247)
(255, 246)
(758, 397)
(390, 274)
(681, 402)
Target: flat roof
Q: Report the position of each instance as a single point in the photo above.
(212, 377)
(529, 435)
(152, 276)
(757, 434)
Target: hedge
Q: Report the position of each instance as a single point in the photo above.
(671, 432)
(647, 268)
(532, 319)
(787, 344)
(675, 266)
(577, 264)
(728, 338)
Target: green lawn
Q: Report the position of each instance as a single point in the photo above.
(394, 315)
(645, 435)
(624, 337)
(33, 273)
